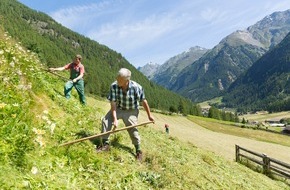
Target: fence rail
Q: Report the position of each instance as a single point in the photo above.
(270, 165)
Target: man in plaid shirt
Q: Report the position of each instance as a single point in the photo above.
(125, 96)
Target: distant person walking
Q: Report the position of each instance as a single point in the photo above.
(77, 71)
(124, 97)
(166, 128)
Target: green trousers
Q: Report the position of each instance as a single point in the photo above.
(79, 86)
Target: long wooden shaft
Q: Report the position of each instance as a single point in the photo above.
(105, 133)
(47, 70)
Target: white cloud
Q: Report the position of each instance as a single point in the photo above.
(145, 31)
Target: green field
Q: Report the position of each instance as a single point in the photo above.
(36, 118)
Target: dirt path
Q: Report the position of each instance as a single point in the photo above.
(221, 144)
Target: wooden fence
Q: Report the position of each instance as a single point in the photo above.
(270, 165)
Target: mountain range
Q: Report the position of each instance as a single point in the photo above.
(215, 71)
(166, 74)
(266, 84)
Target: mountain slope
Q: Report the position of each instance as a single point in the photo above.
(167, 73)
(149, 69)
(266, 85)
(35, 119)
(214, 72)
(56, 45)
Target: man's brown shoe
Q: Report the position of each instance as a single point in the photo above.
(139, 156)
(103, 148)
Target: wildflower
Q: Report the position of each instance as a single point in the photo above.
(44, 117)
(2, 105)
(20, 87)
(48, 122)
(6, 79)
(34, 170)
(13, 115)
(38, 131)
(52, 127)
(15, 105)
(40, 141)
(29, 86)
(12, 64)
(45, 112)
(20, 48)
(19, 72)
(26, 183)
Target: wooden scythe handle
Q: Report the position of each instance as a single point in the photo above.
(105, 133)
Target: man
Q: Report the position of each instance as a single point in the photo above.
(124, 97)
(166, 128)
(77, 71)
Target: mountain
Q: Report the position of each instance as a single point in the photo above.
(167, 73)
(216, 70)
(266, 85)
(56, 45)
(149, 69)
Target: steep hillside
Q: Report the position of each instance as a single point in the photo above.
(56, 45)
(212, 74)
(35, 118)
(266, 85)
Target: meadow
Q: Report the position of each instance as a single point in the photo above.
(35, 119)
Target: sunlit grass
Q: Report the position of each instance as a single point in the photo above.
(232, 129)
(35, 119)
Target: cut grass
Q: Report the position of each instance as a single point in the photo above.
(231, 129)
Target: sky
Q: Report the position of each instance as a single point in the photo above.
(153, 31)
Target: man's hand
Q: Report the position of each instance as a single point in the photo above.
(74, 80)
(115, 124)
(151, 118)
(51, 69)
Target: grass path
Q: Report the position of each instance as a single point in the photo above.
(219, 143)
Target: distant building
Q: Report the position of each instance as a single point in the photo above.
(274, 123)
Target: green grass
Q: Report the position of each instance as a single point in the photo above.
(36, 118)
(248, 132)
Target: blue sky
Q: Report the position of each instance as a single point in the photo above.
(145, 31)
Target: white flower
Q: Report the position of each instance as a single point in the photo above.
(45, 112)
(29, 86)
(19, 72)
(6, 79)
(12, 64)
(45, 118)
(26, 183)
(2, 105)
(15, 105)
(52, 127)
(40, 141)
(34, 170)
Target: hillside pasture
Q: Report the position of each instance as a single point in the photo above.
(221, 139)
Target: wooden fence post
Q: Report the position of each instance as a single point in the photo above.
(237, 153)
(266, 164)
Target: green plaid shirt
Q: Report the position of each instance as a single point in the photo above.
(127, 99)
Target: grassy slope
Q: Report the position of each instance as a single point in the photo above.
(36, 118)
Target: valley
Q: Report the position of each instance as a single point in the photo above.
(220, 143)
